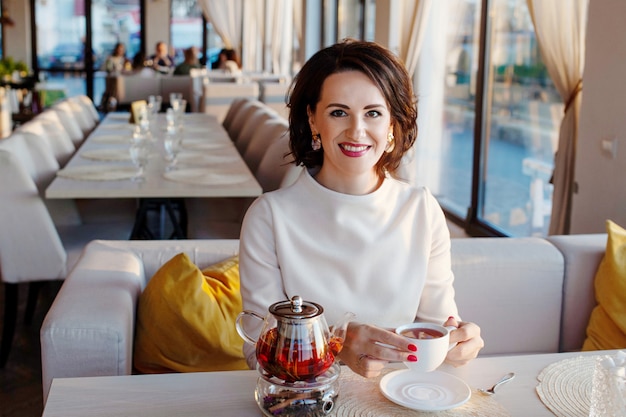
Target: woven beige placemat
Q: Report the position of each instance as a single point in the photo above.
(565, 386)
(361, 397)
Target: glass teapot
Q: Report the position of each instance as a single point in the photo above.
(295, 343)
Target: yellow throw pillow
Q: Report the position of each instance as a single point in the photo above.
(186, 319)
(607, 324)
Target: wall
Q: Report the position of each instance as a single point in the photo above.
(157, 23)
(601, 185)
(17, 38)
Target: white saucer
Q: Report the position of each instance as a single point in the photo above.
(425, 391)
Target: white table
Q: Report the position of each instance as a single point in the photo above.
(224, 172)
(155, 185)
(227, 394)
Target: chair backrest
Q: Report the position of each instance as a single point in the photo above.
(37, 159)
(265, 135)
(217, 97)
(51, 130)
(275, 95)
(179, 84)
(239, 119)
(34, 155)
(30, 247)
(276, 166)
(89, 105)
(65, 113)
(82, 115)
(251, 126)
(234, 108)
(129, 88)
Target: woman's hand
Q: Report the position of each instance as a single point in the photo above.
(367, 349)
(469, 342)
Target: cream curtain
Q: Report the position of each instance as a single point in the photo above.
(415, 13)
(280, 19)
(226, 18)
(415, 19)
(560, 27)
(253, 35)
(262, 30)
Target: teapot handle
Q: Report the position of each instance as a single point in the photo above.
(239, 325)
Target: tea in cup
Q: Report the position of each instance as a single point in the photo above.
(432, 341)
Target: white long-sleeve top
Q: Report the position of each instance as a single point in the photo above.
(384, 256)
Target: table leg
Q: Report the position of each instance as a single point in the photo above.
(165, 208)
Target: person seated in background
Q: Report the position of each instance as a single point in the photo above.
(161, 60)
(190, 62)
(138, 66)
(227, 60)
(117, 62)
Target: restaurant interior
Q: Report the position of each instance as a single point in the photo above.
(110, 174)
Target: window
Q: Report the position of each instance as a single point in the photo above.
(74, 37)
(189, 28)
(486, 142)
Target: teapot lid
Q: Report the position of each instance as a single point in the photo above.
(296, 308)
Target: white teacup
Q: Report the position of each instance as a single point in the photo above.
(432, 341)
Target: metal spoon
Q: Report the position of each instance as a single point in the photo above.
(504, 379)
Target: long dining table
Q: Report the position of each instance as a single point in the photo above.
(544, 385)
(208, 166)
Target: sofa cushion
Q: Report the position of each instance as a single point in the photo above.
(607, 324)
(186, 319)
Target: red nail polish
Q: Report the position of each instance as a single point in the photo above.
(451, 317)
(412, 358)
(412, 348)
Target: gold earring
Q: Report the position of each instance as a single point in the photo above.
(390, 142)
(316, 142)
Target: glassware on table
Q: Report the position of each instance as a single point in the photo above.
(172, 145)
(139, 154)
(158, 103)
(173, 119)
(175, 97)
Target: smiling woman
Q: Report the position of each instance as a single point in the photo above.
(359, 239)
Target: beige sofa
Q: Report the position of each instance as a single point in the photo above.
(529, 295)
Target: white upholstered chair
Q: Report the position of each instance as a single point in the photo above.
(253, 121)
(82, 115)
(183, 84)
(32, 248)
(66, 116)
(267, 132)
(48, 128)
(129, 88)
(233, 109)
(217, 97)
(240, 118)
(89, 106)
(276, 169)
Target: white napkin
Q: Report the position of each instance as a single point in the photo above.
(111, 139)
(107, 154)
(196, 158)
(204, 176)
(205, 144)
(97, 173)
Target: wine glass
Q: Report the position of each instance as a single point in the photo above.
(139, 154)
(172, 144)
